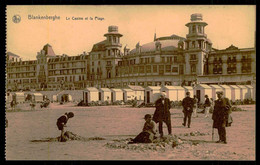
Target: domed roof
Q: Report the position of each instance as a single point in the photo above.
(166, 45)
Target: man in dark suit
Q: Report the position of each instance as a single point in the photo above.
(221, 115)
(187, 104)
(162, 113)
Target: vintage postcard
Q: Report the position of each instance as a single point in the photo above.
(130, 82)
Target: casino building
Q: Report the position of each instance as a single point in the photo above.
(169, 60)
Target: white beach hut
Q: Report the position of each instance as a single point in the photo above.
(90, 94)
(138, 92)
(235, 93)
(117, 94)
(104, 94)
(201, 91)
(251, 92)
(215, 89)
(37, 97)
(189, 89)
(19, 97)
(226, 91)
(174, 93)
(243, 92)
(129, 94)
(152, 93)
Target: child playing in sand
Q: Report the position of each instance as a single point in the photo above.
(61, 123)
(148, 133)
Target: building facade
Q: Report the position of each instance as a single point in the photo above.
(170, 60)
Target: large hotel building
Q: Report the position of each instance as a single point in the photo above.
(169, 60)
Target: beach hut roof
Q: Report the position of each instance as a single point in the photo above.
(187, 87)
(136, 88)
(19, 93)
(242, 86)
(234, 86)
(116, 90)
(173, 87)
(154, 87)
(127, 90)
(225, 86)
(204, 86)
(250, 86)
(92, 89)
(105, 89)
(215, 86)
(37, 94)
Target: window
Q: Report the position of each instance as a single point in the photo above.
(108, 74)
(193, 68)
(193, 57)
(130, 69)
(148, 69)
(169, 59)
(114, 39)
(99, 56)
(168, 68)
(141, 69)
(152, 59)
(116, 71)
(92, 63)
(141, 60)
(155, 68)
(135, 69)
(200, 29)
(162, 59)
(175, 69)
(109, 63)
(175, 59)
(193, 29)
(193, 44)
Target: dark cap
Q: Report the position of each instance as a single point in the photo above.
(147, 116)
(187, 93)
(206, 96)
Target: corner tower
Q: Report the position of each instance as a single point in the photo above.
(197, 46)
(113, 45)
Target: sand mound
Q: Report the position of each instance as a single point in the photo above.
(68, 136)
(159, 144)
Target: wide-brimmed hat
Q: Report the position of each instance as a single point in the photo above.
(219, 92)
(162, 94)
(147, 116)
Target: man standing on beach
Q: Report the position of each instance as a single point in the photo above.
(162, 113)
(220, 116)
(187, 104)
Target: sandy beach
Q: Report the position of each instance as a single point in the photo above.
(111, 123)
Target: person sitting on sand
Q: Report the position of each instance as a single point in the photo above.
(148, 133)
(61, 123)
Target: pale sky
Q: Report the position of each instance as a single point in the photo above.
(232, 24)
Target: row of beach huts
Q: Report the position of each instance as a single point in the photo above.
(148, 95)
